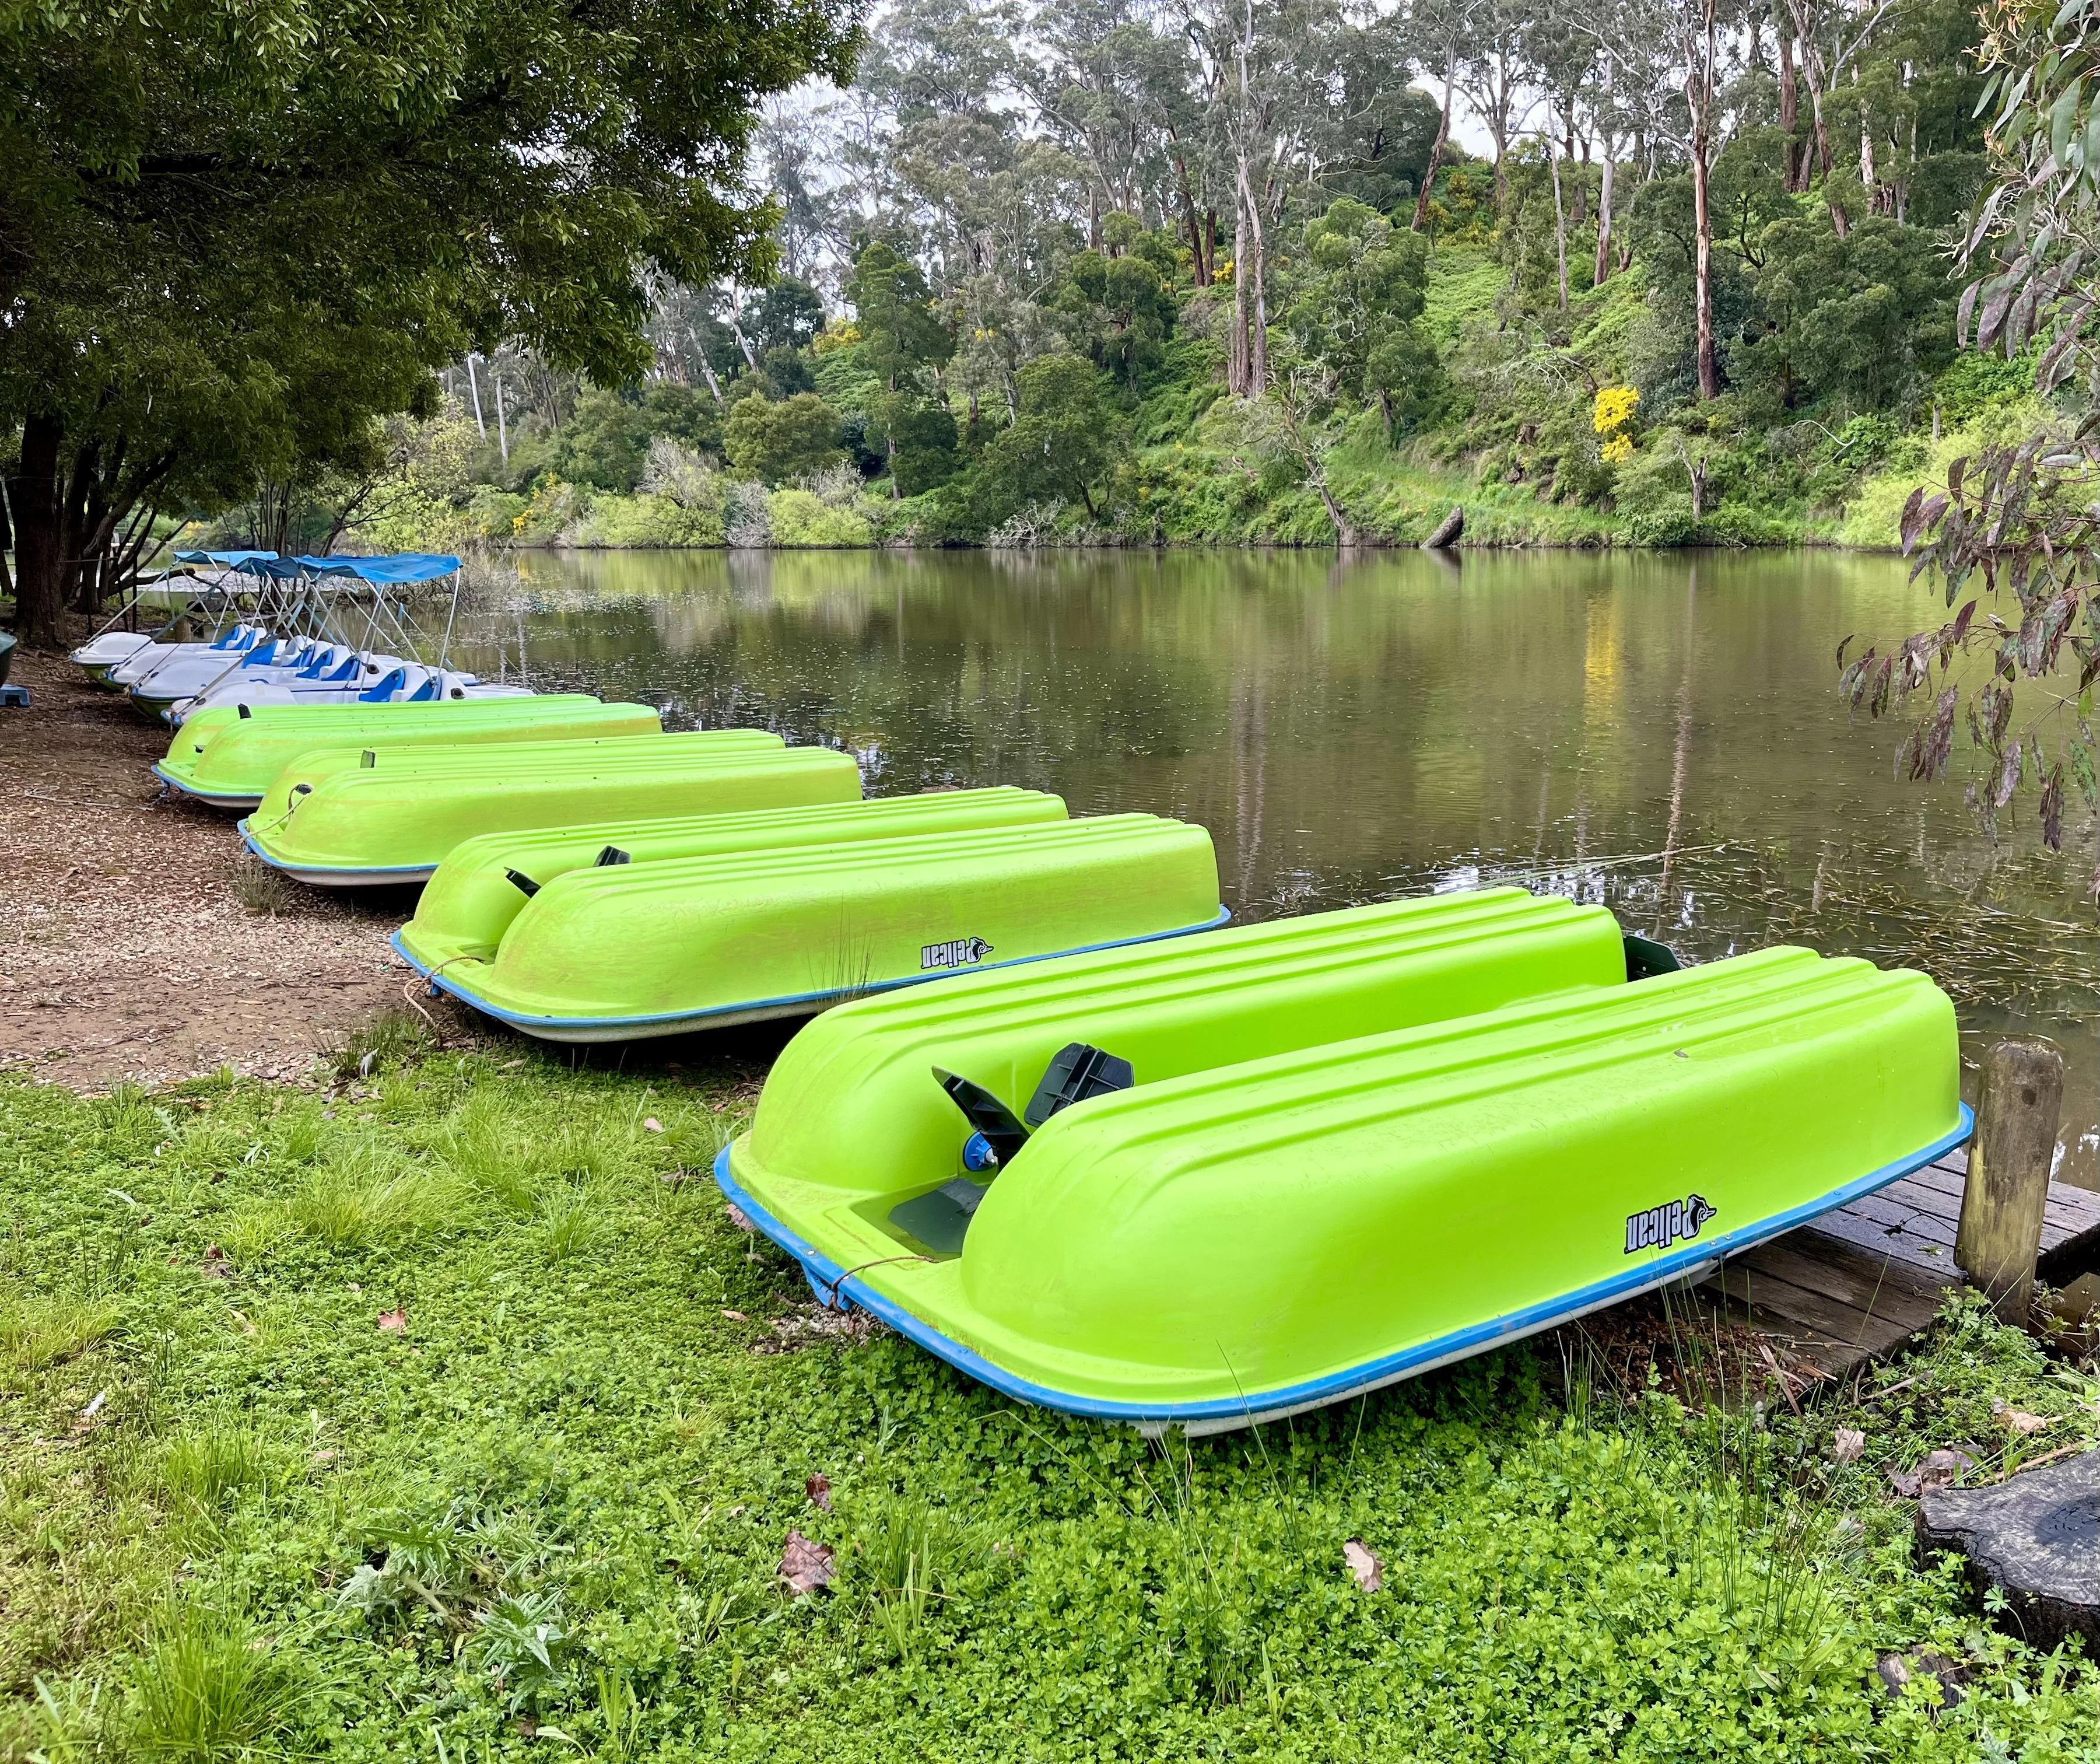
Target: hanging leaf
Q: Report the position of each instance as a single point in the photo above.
(2082, 771)
(2008, 778)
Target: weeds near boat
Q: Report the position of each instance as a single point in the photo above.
(64, 1720)
(572, 1218)
(906, 1554)
(130, 1123)
(208, 1688)
(38, 1331)
(206, 1466)
(267, 893)
(393, 1035)
(619, 1713)
(366, 1201)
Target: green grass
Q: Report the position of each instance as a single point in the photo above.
(545, 1517)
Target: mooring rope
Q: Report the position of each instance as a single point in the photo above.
(832, 1303)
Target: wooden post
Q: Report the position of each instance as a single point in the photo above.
(2009, 1161)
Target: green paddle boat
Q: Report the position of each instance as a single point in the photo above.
(616, 951)
(473, 897)
(350, 819)
(1223, 1182)
(229, 757)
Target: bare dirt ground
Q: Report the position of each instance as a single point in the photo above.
(125, 951)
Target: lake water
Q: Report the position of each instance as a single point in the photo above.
(1659, 733)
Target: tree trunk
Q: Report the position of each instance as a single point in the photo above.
(40, 586)
(707, 373)
(1559, 222)
(1603, 271)
(473, 386)
(1235, 355)
(1702, 221)
(1790, 116)
(1204, 260)
(502, 426)
(1437, 147)
(1258, 336)
(1346, 535)
(1811, 64)
(1839, 219)
(1867, 181)
(743, 342)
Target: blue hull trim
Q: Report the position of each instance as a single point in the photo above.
(827, 1276)
(784, 1006)
(307, 871)
(174, 783)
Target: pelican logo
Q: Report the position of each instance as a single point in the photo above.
(1660, 1227)
(963, 952)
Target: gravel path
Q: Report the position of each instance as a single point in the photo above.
(126, 952)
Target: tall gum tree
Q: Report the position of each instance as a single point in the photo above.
(234, 234)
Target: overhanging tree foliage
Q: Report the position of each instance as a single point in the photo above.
(231, 235)
(2015, 536)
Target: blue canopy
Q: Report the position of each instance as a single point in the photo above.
(402, 567)
(270, 564)
(233, 558)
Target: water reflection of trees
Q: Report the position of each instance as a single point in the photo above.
(1348, 731)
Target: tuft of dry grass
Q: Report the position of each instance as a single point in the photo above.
(267, 893)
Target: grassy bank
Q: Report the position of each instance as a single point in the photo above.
(442, 1414)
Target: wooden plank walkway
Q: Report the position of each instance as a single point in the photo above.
(1857, 1284)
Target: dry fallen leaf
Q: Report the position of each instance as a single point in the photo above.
(804, 1565)
(736, 1316)
(653, 1125)
(217, 1263)
(1939, 1470)
(818, 1489)
(2018, 1419)
(739, 1219)
(1848, 1445)
(393, 1320)
(1369, 1570)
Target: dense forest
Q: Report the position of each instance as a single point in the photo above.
(1223, 272)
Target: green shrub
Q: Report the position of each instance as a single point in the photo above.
(1664, 521)
(801, 517)
(646, 522)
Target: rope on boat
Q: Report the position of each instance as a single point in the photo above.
(832, 1286)
(408, 993)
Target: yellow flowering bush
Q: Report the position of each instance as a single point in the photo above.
(1612, 417)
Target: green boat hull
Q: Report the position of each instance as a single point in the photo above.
(472, 900)
(629, 951)
(220, 757)
(1286, 1211)
(395, 819)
